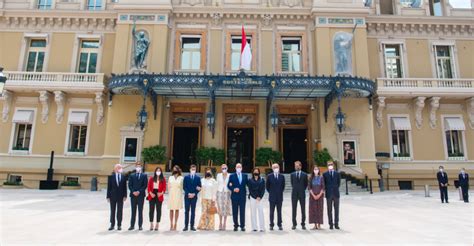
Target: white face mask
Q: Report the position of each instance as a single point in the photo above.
(238, 169)
(193, 172)
(462, 171)
(276, 170)
(316, 171)
(158, 173)
(224, 170)
(120, 170)
(138, 169)
(330, 167)
(441, 170)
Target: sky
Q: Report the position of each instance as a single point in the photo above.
(460, 3)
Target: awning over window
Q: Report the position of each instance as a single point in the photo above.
(400, 123)
(78, 118)
(454, 124)
(23, 117)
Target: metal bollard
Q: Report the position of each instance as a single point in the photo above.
(347, 188)
(427, 190)
(460, 194)
(94, 184)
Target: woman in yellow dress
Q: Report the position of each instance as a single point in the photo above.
(175, 201)
(208, 199)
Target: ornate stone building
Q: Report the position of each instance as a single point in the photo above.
(386, 86)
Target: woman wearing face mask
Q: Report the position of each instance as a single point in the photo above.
(256, 186)
(208, 196)
(175, 203)
(156, 190)
(316, 199)
(223, 197)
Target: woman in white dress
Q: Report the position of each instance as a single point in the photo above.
(223, 197)
(175, 201)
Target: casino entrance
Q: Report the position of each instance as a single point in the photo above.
(293, 135)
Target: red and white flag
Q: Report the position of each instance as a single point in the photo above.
(245, 52)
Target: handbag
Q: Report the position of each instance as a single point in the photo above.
(212, 209)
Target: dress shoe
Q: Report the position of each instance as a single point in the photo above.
(330, 227)
(131, 228)
(119, 228)
(192, 228)
(140, 228)
(242, 229)
(185, 229)
(111, 228)
(280, 228)
(293, 228)
(236, 229)
(303, 227)
(337, 227)
(271, 228)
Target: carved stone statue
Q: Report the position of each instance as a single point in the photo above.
(140, 48)
(343, 53)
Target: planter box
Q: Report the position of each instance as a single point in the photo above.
(150, 167)
(70, 187)
(12, 186)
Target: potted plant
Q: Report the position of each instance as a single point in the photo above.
(321, 159)
(12, 185)
(154, 156)
(217, 157)
(203, 155)
(70, 185)
(264, 157)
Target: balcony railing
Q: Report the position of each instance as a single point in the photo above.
(55, 77)
(424, 83)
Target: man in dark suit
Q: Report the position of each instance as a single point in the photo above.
(237, 185)
(299, 184)
(464, 184)
(137, 184)
(116, 196)
(191, 186)
(332, 182)
(275, 187)
(443, 184)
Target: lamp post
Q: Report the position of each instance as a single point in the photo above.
(142, 117)
(211, 121)
(274, 119)
(3, 79)
(340, 117)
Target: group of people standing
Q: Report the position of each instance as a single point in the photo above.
(224, 195)
(443, 183)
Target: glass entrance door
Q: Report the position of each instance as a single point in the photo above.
(294, 143)
(185, 143)
(240, 147)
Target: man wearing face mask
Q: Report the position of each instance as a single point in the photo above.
(299, 184)
(137, 185)
(332, 181)
(275, 187)
(116, 196)
(191, 186)
(443, 184)
(237, 183)
(464, 184)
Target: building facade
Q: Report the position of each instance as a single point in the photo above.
(406, 68)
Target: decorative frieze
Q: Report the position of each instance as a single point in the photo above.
(379, 113)
(44, 100)
(83, 23)
(7, 103)
(419, 104)
(143, 18)
(376, 28)
(59, 98)
(434, 106)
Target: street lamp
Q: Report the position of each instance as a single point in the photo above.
(3, 79)
(142, 117)
(274, 119)
(340, 119)
(211, 119)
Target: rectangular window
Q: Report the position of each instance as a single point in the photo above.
(22, 137)
(77, 139)
(44, 4)
(190, 53)
(444, 61)
(88, 56)
(94, 4)
(291, 55)
(236, 45)
(36, 52)
(436, 8)
(130, 153)
(393, 61)
(454, 143)
(400, 137)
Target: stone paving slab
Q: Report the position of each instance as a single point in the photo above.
(64, 217)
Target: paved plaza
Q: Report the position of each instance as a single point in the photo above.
(81, 217)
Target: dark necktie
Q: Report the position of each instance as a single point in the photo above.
(138, 175)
